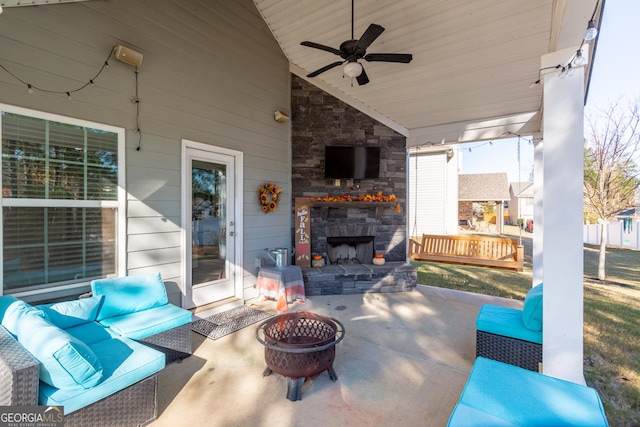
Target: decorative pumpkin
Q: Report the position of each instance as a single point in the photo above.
(378, 259)
(317, 261)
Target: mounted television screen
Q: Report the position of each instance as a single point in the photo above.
(351, 162)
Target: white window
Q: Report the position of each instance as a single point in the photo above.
(62, 201)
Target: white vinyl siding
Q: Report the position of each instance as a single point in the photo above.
(433, 189)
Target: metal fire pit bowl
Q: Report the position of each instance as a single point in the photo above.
(299, 345)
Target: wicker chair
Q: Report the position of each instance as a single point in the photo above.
(510, 335)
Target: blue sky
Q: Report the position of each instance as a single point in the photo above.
(615, 75)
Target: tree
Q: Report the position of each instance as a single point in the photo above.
(611, 174)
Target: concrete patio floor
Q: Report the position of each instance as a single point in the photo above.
(404, 361)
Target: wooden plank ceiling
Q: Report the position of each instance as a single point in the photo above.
(473, 61)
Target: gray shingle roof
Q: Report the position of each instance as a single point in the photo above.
(483, 187)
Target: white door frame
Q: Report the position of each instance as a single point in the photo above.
(237, 271)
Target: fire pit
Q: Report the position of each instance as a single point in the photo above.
(298, 346)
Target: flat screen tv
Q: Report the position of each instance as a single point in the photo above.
(351, 162)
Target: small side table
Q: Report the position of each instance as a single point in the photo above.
(281, 284)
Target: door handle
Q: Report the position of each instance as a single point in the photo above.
(232, 233)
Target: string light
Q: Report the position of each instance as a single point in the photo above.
(592, 31)
(490, 143)
(31, 88)
(577, 59)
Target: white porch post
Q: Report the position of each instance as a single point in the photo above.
(538, 218)
(562, 345)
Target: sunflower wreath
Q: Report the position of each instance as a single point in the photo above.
(269, 195)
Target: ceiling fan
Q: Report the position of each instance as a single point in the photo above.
(353, 50)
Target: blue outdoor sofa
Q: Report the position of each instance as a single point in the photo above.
(98, 357)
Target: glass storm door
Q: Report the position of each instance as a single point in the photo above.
(210, 240)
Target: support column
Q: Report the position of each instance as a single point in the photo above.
(538, 218)
(562, 342)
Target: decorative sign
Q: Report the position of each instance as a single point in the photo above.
(303, 230)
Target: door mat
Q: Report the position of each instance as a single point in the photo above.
(228, 322)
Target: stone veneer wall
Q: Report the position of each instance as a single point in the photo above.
(319, 119)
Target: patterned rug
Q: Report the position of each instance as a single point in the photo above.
(228, 322)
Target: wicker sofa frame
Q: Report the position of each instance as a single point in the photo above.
(19, 384)
(525, 354)
(132, 406)
(174, 343)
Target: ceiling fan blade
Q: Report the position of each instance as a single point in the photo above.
(369, 36)
(322, 47)
(362, 79)
(405, 58)
(325, 68)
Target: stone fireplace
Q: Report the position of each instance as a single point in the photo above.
(348, 234)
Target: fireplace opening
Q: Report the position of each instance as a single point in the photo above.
(350, 250)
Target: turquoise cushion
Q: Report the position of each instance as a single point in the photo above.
(124, 361)
(12, 310)
(124, 295)
(507, 322)
(532, 310)
(148, 322)
(5, 302)
(72, 313)
(91, 333)
(527, 398)
(65, 362)
(466, 416)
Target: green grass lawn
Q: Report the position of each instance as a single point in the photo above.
(611, 319)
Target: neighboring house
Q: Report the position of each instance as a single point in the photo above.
(631, 213)
(520, 202)
(433, 186)
(482, 188)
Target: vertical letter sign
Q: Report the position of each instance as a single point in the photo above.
(303, 238)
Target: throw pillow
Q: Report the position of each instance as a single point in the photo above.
(65, 362)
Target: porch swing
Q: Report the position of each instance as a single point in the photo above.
(485, 251)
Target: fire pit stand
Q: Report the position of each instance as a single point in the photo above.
(298, 346)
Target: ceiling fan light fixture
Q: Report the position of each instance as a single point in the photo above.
(352, 69)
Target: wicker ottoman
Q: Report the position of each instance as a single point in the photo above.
(525, 354)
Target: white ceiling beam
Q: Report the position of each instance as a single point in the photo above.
(525, 124)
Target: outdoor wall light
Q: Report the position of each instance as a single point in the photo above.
(352, 69)
(128, 56)
(280, 116)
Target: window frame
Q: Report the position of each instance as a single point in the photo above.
(120, 204)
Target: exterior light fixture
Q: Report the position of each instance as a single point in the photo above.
(591, 32)
(352, 69)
